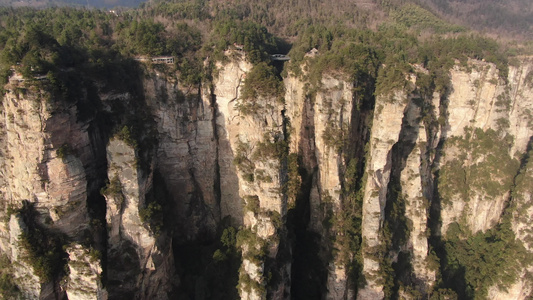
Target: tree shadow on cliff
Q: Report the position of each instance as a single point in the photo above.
(310, 251)
(397, 226)
(44, 250)
(209, 269)
(123, 267)
(309, 270)
(453, 279)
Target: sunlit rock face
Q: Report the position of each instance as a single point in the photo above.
(453, 158)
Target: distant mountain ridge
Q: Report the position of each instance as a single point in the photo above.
(76, 3)
(513, 17)
(501, 17)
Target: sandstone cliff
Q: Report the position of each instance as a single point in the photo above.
(481, 100)
(473, 152)
(140, 263)
(47, 158)
(361, 195)
(254, 131)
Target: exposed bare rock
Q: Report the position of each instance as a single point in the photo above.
(333, 108)
(126, 197)
(520, 113)
(138, 265)
(295, 98)
(332, 116)
(385, 132)
(45, 155)
(187, 154)
(320, 125)
(522, 212)
(227, 90)
(248, 148)
(23, 273)
(453, 156)
(481, 100)
(24, 115)
(417, 211)
(337, 282)
(85, 271)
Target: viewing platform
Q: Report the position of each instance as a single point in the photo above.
(279, 57)
(157, 59)
(19, 78)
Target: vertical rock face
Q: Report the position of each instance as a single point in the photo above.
(480, 100)
(187, 157)
(227, 91)
(320, 127)
(459, 157)
(417, 209)
(521, 107)
(125, 196)
(332, 112)
(84, 274)
(34, 172)
(476, 166)
(250, 147)
(46, 157)
(139, 266)
(415, 191)
(385, 133)
(473, 104)
(23, 274)
(522, 212)
(295, 100)
(23, 127)
(332, 117)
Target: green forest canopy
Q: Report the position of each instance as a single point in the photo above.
(43, 41)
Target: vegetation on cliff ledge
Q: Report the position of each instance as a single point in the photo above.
(8, 288)
(43, 249)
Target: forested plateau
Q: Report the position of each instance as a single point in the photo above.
(368, 149)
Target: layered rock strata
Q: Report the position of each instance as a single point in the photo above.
(458, 156)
